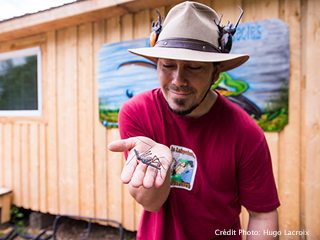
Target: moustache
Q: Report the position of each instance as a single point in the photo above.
(183, 89)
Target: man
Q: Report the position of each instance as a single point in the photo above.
(208, 157)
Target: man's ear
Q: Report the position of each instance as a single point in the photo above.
(216, 74)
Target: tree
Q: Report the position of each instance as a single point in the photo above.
(18, 85)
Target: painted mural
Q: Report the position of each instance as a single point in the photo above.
(260, 86)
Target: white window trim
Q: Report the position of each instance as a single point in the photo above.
(26, 53)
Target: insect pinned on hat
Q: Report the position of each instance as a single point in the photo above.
(155, 30)
(226, 33)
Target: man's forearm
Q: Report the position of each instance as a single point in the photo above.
(263, 223)
(150, 186)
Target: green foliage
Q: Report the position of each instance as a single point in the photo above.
(17, 216)
(111, 116)
(278, 101)
(273, 121)
(275, 115)
(18, 85)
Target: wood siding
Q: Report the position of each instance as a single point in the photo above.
(59, 163)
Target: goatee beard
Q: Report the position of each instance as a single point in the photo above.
(181, 102)
(181, 112)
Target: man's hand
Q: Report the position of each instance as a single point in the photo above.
(135, 171)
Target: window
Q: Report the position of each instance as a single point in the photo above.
(20, 83)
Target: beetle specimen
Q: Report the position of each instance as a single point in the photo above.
(226, 33)
(155, 30)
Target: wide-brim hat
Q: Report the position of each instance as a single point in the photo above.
(190, 33)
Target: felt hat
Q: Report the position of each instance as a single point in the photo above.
(190, 33)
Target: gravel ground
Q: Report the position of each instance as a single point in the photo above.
(70, 229)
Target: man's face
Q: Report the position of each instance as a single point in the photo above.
(185, 85)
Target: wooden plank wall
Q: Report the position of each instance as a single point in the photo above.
(59, 163)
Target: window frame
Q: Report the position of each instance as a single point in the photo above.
(27, 52)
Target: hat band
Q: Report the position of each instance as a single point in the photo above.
(186, 43)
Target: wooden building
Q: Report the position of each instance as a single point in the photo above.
(59, 163)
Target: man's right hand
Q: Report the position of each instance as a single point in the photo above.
(137, 173)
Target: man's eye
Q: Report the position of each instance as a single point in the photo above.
(194, 68)
(167, 65)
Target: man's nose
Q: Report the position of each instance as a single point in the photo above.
(179, 78)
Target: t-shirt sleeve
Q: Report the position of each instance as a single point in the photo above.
(130, 124)
(257, 189)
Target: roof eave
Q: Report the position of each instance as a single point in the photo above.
(72, 14)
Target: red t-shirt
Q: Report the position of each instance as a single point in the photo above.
(221, 161)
